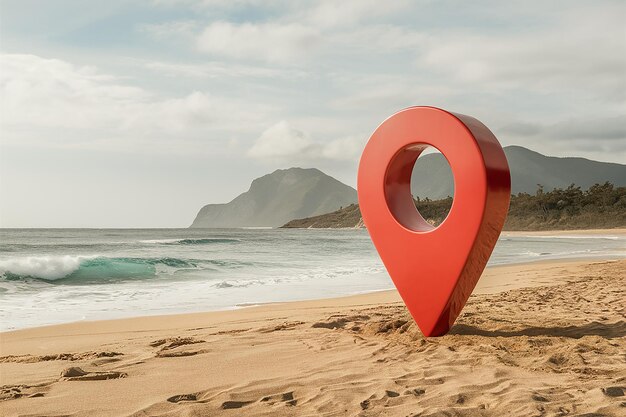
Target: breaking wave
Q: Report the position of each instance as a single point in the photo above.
(88, 269)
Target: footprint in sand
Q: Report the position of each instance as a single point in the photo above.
(174, 342)
(12, 392)
(339, 321)
(288, 325)
(417, 392)
(365, 404)
(391, 394)
(229, 405)
(168, 345)
(183, 398)
(613, 391)
(179, 354)
(77, 374)
(377, 400)
(286, 398)
(59, 357)
(195, 398)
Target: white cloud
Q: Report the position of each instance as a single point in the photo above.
(54, 93)
(55, 103)
(283, 143)
(346, 148)
(313, 30)
(582, 50)
(272, 42)
(331, 13)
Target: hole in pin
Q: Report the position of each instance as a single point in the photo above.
(419, 187)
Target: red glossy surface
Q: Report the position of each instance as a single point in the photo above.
(434, 269)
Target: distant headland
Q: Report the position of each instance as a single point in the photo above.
(548, 193)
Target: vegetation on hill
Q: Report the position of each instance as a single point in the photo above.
(601, 206)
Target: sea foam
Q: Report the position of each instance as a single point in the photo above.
(94, 269)
(43, 267)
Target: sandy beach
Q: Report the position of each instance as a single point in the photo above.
(535, 339)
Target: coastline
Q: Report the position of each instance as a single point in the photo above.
(164, 272)
(489, 283)
(266, 359)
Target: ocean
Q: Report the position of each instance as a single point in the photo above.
(50, 276)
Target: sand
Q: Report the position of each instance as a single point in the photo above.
(543, 339)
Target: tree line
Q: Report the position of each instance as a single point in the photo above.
(600, 206)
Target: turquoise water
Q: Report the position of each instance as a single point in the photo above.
(52, 276)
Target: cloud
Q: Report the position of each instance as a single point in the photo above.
(331, 13)
(569, 51)
(220, 70)
(283, 143)
(54, 93)
(54, 103)
(346, 148)
(609, 128)
(299, 34)
(591, 137)
(582, 51)
(272, 42)
(521, 129)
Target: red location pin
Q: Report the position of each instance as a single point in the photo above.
(434, 269)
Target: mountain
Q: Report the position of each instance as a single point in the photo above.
(276, 198)
(297, 193)
(528, 169)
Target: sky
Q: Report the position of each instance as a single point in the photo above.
(137, 113)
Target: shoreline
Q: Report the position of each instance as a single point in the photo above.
(485, 282)
(205, 286)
